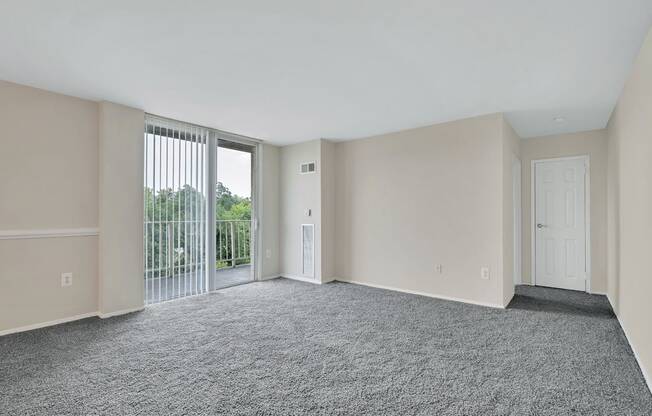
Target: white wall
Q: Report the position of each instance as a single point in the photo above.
(407, 201)
(297, 194)
(594, 144)
(630, 193)
(48, 180)
(121, 208)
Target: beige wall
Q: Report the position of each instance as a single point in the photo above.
(120, 208)
(613, 210)
(76, 165)
(297, 194)
(48, 180)
(407, 201)
(49, 157)
(511, 152)
(269, 210)
(328, 221)
(630, 136)
(30, 280)
(594, 144)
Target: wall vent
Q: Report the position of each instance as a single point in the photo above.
(307, 167)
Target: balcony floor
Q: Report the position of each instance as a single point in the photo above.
(167, 288)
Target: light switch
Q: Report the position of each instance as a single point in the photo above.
(484, 273)
(66, 279)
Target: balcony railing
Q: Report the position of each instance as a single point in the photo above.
(175, 255)
(233, 242)
(175, 246)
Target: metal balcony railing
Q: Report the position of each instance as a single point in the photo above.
(233, 242)
(175, 255)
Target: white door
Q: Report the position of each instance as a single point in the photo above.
(560, 224)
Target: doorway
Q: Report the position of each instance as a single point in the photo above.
(560, 227)
(234, 214)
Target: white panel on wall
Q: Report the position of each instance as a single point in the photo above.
(308, 250)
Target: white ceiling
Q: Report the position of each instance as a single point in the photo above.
(295, 70)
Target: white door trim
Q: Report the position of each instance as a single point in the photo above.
(587, 209)
(255, 257)
(258, 215)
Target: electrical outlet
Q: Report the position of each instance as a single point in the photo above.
(439, 269)
(268, 253)
(66, 279)
(484, 273)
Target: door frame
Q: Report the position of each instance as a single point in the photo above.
(587, 213)
(255, 240)
(259, 209)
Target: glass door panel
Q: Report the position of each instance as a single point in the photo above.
(234, 213)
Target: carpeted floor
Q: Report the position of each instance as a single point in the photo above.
(284, 347)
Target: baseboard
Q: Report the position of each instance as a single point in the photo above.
(272, 277)
(300, 278)
(430, 295)
(509, 301)
(599, 293)
(121, 312)
(646, 376)
(48, 323)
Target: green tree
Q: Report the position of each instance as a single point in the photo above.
(171, 217)
(230, 206)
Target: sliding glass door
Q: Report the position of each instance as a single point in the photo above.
(234, 214)
(197, 231)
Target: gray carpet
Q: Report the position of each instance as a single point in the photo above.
(284, 347)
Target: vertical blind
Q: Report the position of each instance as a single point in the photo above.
(175, 207)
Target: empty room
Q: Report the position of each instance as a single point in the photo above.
(326, 208)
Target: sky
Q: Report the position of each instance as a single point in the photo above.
(234, 170)
(233, 166)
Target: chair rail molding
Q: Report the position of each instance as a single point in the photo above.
(48, 233)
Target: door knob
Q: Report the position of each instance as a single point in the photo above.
(540, 226)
